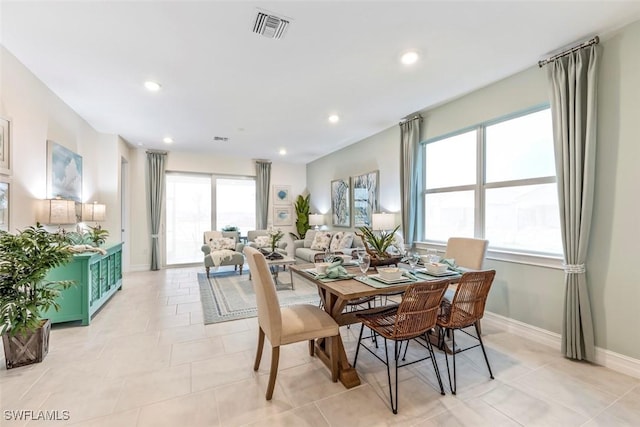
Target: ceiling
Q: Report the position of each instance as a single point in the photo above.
(219, 79)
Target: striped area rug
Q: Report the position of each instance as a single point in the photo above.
(228, 296)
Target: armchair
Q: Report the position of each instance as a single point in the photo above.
(222, 257)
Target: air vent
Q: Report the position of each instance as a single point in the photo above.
(270, 26)
(220, 139)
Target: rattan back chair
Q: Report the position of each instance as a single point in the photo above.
(465, 310)
(414, 317)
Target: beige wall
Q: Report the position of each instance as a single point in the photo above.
(530, 294)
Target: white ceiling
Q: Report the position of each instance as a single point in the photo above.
(220, 79)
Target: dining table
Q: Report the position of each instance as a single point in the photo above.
(335, 295)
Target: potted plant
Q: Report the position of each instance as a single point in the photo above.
(377, 245)
(25, 259)
(302, 216)
(98, 235)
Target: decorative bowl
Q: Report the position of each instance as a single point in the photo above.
(321, 267)
(390, 273)
(435, 267)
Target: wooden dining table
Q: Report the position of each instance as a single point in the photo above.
(335, 295)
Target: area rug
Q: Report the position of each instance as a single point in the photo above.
(229, 296)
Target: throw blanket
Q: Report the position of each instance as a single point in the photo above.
(78, 249)
(218, 256)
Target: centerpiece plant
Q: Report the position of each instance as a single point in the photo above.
(25, 294)
(377, 244)
(275, 235)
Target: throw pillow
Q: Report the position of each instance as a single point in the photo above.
(308, 238)
(321, 241)
(346, 242)
(262, 241)
(335, 241)
(222, 243)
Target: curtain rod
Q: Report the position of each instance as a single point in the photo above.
(408, 119)
(156, 152)
(582, 45)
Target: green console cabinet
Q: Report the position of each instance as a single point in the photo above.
(97, 278)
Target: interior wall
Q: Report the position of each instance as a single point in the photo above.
(38, 115)
(282, 173)
(531, 294)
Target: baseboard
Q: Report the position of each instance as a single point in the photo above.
(609, 359)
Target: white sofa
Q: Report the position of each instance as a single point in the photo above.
(302, 248)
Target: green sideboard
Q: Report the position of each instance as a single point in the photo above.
(97, 278)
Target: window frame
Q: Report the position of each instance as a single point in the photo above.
(529, 257)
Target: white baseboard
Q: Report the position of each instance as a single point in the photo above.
(609, 359)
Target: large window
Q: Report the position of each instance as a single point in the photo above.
(196, 203)
(495, 181)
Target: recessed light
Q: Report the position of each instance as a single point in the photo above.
(152, 86)
(334, 118)
(409, 57)
(282, 152)
(167, 140)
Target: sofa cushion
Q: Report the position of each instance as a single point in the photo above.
(262, 241)
(321, 241)
(308, 238)
(220, 243)
(341, 240)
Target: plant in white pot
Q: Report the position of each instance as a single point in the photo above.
(25, 294)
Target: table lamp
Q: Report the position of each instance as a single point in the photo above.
(56, 212)
(316, 220)
(382, 221)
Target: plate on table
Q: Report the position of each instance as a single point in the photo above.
(444, 273)
(402, 279)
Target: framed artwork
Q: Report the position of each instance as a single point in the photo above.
(365, 198)
(282, 215)
(64, 173)
(5, 146)
(281, 194)
(341, 213)
(4, 206)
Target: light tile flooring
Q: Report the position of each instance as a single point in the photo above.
(147, 360)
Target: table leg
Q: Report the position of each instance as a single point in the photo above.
(346, 373)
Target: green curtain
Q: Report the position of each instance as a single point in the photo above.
(156, 165)
(573, 81)
(410, 179)
(263, 181)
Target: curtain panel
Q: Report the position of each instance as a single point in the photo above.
(410, 178)
(573, 84)
(155, 182)
(263, 181)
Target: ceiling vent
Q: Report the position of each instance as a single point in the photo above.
(220, 138)
(270, 26)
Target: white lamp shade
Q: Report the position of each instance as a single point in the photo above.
(57, 212)
(382, 221)
(93, 212)
(316, 219)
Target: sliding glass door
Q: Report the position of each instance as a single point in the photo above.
(196, 203)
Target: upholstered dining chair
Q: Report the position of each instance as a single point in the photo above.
(463, 311)
(467, 252)
(413, 317)
(286, 325)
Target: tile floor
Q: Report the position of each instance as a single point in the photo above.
(147, 360)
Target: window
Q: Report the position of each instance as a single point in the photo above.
(496, 181)
(191, 210)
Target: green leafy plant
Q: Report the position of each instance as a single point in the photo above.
(302, 206)
(377, 243)
(25, 259)
(78, 237)
(230, 228)
(98, 235)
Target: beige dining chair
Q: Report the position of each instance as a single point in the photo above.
(286, 325)
(467, 252)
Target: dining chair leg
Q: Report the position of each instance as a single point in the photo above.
(256, 364)
(394, 408)
(453, 354)
(355, 359)
(432, 356)
(312, 347)
(452, 387)
(275, 356)
(486, 359)
(335, 340)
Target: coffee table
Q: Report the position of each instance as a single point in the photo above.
(275, 264)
